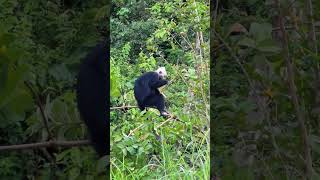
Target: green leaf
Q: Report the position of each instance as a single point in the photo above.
(161, 33)
(268, 46)
(62, 155)
(247, 42)
(74, 173)
(315, 176)
(315, 143)
(260, 32)
(124, 151)
(21, 102)
(14, 78)
(114, 80)
(131, 150)
(60, 72)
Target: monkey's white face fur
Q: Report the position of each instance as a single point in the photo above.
(162, 72)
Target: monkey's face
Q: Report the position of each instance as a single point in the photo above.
(162, 72)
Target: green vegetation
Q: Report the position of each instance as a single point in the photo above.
(265, 98)
(41, 46)
(145, 35)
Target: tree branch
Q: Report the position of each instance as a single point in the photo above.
(312, 36)
(39, 104)
(123, 107)
(294, 95)
(45, 144)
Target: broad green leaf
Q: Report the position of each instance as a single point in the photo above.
(315, 143)
(268, 46)
(247, 42)
(260, 32)
(14, 78)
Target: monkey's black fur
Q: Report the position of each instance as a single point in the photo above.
(146, 91)
(93, 97)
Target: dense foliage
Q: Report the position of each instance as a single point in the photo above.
(146, 35)
(265, 89)
(41, 46)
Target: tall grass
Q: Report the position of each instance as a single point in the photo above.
(170, 164)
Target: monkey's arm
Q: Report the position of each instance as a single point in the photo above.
(158, 83)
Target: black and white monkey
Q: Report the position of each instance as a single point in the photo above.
(93, 97)
(147, 93)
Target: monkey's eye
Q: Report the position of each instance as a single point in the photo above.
(160, 72)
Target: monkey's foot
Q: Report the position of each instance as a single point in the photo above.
(164, 114)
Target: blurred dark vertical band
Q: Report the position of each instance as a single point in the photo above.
(108, 80)
(213, 4)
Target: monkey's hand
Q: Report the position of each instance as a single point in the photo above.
(161, 91)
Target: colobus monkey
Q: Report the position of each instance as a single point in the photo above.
(147, 93)
(93, 97)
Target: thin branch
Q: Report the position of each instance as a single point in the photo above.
(294, 96)
(45, 144)
(175, 118)
(122, 107)
(39, 104)
(237, 60)
(215, 13)
(287, 28)
(312, 35)
(309, 8)
(251, 86)
(173, 37)
(135, 129)
(187, 41)
(164, 122)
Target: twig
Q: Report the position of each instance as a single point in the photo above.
(164, 122)
(175, 118)
(279, 29)
(123, 107)
(312, 36)
(215, 12)
(246, 74)
(39, 104)
(45, 144)
(294, 96)
(251, 86)
(135, 129)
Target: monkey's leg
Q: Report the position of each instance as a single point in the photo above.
(159, 102)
